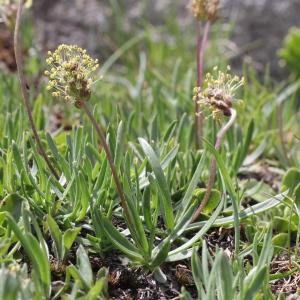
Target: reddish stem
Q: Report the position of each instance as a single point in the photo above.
(201, 46)
(25, 94)
(213, 166)
(105, 146)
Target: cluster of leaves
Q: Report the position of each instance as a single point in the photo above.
(50, 228)
(290, 52)
(217, 278)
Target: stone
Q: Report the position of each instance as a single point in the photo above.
(260, 25)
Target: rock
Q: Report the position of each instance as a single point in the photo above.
(293, 297)
(260, 28)
(80, 22)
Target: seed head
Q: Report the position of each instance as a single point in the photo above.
(71, 74)
(218, 93)
(204, 10)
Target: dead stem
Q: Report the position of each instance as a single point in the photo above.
(25, 94)
(213, 166)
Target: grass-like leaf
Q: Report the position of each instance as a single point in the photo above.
(160, 177)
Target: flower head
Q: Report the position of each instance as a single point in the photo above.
(205, 9)
(71, 74)
(8, 13)
(218, 93)
(28, 3)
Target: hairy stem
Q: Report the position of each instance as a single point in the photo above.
(24, 91)
(105, 146)
(201, 45)
(213, 165)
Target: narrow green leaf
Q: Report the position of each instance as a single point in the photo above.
(251, 158)
(72, 271)
(250, 211)
(36, 255)
(37, 112)
(185, 295)
(291, 179)
(267, 249)
(119, 143)
(12, 203)
(70, 236)
(256, 284)
(225, 277)
(160, 177)
(57, 237)
(196, 269)
(213, 202)
(207, 224)
(143, 180)
(147, 208)
(138, 232)
(113, 58)
(84, 266)
(96, 290)
(280, 240)
(17, 157)
(192, 185)
(118, 239)
(161, 254)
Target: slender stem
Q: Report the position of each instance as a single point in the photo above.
(201, 45)
(105, 146)
(213, 166)
(25, 94)
(201, 52)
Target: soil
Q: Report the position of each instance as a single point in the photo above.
(262, 172)
(133, 283)
(288, 285)
(125, 282)
(7, 58)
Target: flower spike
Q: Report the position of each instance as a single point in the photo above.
(219, 93)
(71, 74)
(205, 10)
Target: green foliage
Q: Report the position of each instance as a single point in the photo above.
(15, 283)
(290, 52)
(214, 200)
(62, 242)
(36, 250)
(221, 278)
(50, 229)
(291, 179)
